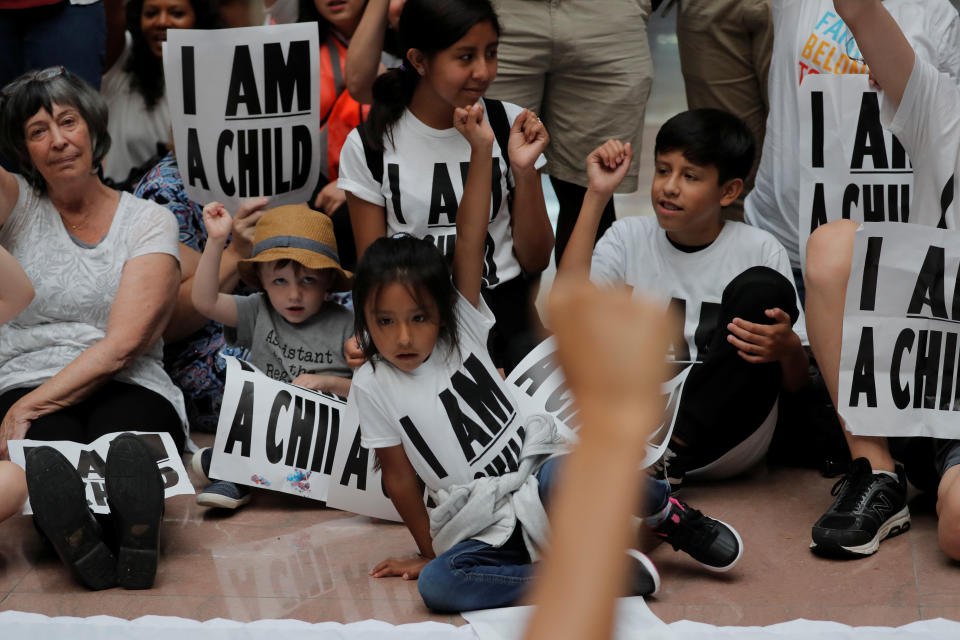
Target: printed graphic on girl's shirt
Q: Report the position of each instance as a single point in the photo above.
(830, 49)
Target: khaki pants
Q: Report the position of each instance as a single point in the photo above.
(725, 48)
(584, 67)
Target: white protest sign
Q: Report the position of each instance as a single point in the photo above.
(850, 166)
(899, 374)
(90, 462)
(275, 435)
(539, 378)
(244, 104)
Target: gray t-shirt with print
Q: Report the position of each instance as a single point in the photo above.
(284, 350)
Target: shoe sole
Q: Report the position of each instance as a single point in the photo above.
(135, 492)
(221, 502)
(59, 501)
(894, 526)
(197, 465)
(647, 564)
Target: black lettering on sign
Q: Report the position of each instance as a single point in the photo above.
(284, 77)
(443, 199)
(273, 448)
(537, 374)
(929, 289)
(946, 199)
(99, 490)
(195, 170)
(949, 363)
(393, 179)
(301, 432)
(224, 142)
(246, 366)
(900, 393)
(302, 152)
(864, 381)
(926, 375)
(851, 198)
(421, 446)
(328, 421)
(90, 463)
(818, 210)
(248, 165)
(816, 124)
(871, 268)
(560, 403)
(189, 81)
(899, 158)
(241, 429)
(356, 464)
(243, 84)
(266, 159)
(869, 139)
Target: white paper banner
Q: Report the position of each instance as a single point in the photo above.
(244, 104)
(898, 370)
(850, 166)
(539, 378)
(90, 462)
(276, 435)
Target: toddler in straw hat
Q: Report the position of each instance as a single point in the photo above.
(293, 332)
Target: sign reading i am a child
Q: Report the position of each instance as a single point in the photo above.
(899, 369)
(244, 104)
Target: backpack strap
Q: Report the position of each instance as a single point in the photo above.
(374, 157)
(501, 127)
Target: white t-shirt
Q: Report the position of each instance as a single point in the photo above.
(635, 252)
(423, 176)
(134, 129)
(75, 285)
(928, 124)
(811, 38)
(454, 414)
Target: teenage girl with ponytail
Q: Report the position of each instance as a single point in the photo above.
(405, 168)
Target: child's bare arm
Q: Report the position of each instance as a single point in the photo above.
(532, 231)
(606, 167)
(16, 290)
(369, 222)
(206, 296)
(613, 352)
(882, 43)
(473, 214)
(400, 480)
(363, 55)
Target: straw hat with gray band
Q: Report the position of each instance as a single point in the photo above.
(295, 232)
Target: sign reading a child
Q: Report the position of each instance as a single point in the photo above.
(899, 374)
(90, 462)
(281, 437)
(851, 167)
(244, 104)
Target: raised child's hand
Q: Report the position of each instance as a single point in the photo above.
(471, 124)
(244, 223)
(217, 220)
(528, 139)
(407, 568)
(764, 342)
(607, 165)
(353, 353)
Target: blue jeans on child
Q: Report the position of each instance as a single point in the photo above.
(473, 575)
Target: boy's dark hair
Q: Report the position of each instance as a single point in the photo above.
(710, 137)
(418, 265)
(429, 26)
(147, 69)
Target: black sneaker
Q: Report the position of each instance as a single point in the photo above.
(200, 463)
(869, 508)
(714, 544)
(644, 577)
(224, 494)
(135, 493)
(59, 500)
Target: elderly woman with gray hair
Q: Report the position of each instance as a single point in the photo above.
(84, 358)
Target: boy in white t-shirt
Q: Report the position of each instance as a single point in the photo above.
(920, 106)
(730, 283)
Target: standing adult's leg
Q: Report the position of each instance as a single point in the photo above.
(118, 406)
(72, 35)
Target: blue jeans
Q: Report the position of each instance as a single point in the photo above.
(473, 575)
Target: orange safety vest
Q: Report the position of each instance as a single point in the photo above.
(339, 112)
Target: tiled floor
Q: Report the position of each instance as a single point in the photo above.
(283, 557)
